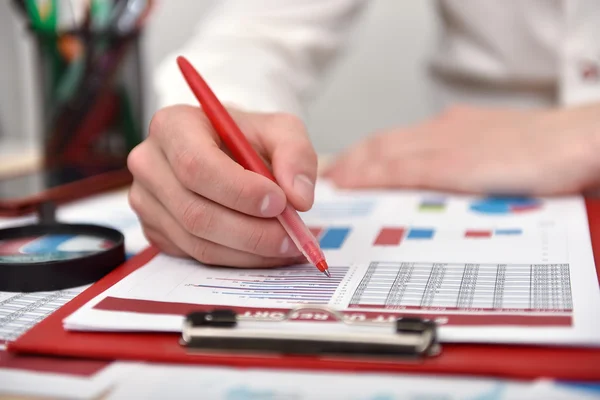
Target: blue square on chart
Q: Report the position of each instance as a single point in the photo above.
(334, 238)
(509, 231)
(420, 233)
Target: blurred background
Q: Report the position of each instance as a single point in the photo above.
(337, 118)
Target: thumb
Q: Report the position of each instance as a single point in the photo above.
(292, 156)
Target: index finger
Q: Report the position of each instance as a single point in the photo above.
(191, 146)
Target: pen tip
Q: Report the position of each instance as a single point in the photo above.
(323, 267)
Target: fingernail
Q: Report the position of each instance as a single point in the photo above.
(304, 187)
(288, 248)
(285, 246)
(269, 207)
(265, 204)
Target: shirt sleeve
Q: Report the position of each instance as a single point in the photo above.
(579, 66)
(263, 56)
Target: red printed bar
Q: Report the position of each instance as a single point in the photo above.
(463, 319)
(524, 208)
(478, 234)
(389, 237)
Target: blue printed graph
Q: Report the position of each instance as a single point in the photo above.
(302, 284)
(505, 205)
(420, 233)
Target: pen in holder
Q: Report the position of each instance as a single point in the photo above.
(90, 81)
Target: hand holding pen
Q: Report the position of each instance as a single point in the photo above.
(194, 200)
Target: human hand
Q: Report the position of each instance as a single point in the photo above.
(194, 200)
(481, 150)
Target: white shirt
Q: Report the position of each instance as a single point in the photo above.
(270, 55)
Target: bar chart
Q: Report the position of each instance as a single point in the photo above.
(396, 235)
(302, 284)
(393, 236)
(488, 233)
(335, 237)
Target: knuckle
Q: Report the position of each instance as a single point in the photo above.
(156, 239)
(134, 199)
(256, 239)
(188, 166)
(265, 241)
(150, 235)
(202, 252)
(288, 122)
(238, 192)
(196, 218)
(158, 122)
(136, 159)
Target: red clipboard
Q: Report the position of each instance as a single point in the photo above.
(501, 361)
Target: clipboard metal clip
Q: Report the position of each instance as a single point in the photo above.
(225, 330)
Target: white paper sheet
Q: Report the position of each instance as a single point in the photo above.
(58, 384)
(487, 270)
(39, 376)
(19, 312)
(183, 382)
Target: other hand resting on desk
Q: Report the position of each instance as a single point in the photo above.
(481, 150)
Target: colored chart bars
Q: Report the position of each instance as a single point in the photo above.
(331, 238)
(432, 204)
(394, 236)
(505, 205)
(478, 233)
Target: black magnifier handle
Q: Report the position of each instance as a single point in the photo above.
(47, 213)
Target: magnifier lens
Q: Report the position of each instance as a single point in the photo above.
(57, 256)
(51, 247)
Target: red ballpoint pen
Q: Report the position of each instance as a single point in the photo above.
(245, 154)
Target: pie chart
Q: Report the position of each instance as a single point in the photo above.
(505, 205)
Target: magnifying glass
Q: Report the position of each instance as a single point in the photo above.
(53, 256)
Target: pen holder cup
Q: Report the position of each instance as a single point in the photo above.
(91, 105)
